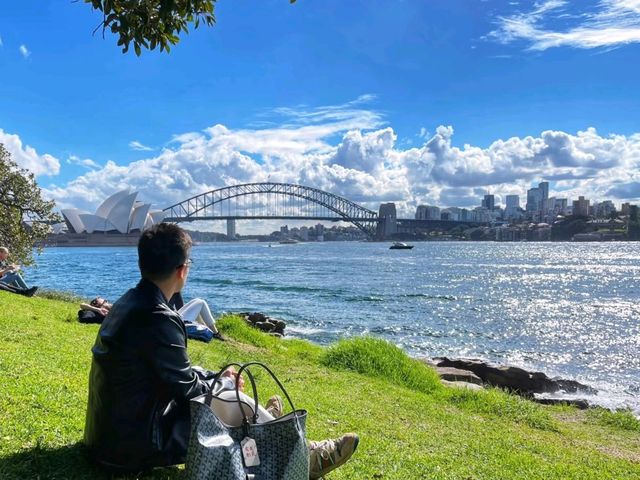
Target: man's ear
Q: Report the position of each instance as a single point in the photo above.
(181, 271)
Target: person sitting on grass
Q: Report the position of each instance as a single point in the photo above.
(10, 275)
(141, 378)
(196, 311)
(27, 292)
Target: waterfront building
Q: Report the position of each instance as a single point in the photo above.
(433, 213)
(533, 200)
(120, 213)
(560, 206)
(512, 209)
(427, 212)
(451, 213)
(489, 202)
(581, 207)
(481, 214)
(537, 199)
(544, 191)
(604, 209)
(624, 208)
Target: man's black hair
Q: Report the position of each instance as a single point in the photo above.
(161, 249)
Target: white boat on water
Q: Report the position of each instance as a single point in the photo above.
(288, 241)
(400, 246)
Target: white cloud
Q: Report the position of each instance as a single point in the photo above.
(1, 44)
(27, 157)
(136, 145)
(86, 162)
(24, 51)
(556, 23)
(350, 152)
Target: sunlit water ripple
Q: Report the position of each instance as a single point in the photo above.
(568, 309)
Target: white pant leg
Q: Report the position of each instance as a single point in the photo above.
(229, 412)
(197, 309)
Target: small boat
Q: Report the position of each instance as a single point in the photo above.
(288, 241)
(400, 246)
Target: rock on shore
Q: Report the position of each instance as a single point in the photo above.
(260, 321)
(514, 379)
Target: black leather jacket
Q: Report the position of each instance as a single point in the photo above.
(140, 384)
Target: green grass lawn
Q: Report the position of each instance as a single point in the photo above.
(410, 426)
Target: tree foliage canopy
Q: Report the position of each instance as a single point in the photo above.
(21, 200)
(153, 23)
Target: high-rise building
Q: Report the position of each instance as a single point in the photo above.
(533, 199)
(512, 209)
(489, 202)
(624, 208)
(581, 207)
(427, 212)
(537, 198)
(560, 206)
(604, 209)
(513, 201)
(544, 192)
(433, 213)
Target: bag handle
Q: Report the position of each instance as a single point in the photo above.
(209, 396)
(245, 367)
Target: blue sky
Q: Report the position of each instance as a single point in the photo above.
(411, 101)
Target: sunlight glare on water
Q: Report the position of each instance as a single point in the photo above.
(567, 309)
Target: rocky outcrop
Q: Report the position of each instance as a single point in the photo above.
(514, 379)
(471, 373)
(452, 374)
(260, 321)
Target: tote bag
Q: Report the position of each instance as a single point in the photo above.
(215, 449)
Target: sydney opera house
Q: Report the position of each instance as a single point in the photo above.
(117, 221)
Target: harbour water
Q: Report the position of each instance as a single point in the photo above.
(567, 309)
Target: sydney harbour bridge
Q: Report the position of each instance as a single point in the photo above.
(273, 201)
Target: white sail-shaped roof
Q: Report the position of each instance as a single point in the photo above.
(139, 217)
(94, 223)
(157, 216)
(148, 222)
(72, 217)
(121, 212)
(105, 207)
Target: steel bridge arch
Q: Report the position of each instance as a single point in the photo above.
(194, 208)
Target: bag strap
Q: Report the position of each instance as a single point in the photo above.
(209, 397)
(245, 368)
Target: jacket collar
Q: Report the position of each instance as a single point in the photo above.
(150, 289)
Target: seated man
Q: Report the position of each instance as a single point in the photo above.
(141, 378)
(9, 273)
(20, 291)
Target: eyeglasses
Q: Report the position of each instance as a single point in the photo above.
(187, 263)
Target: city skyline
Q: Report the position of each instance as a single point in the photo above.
(378, 102)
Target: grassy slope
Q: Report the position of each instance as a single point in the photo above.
(434, 433)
